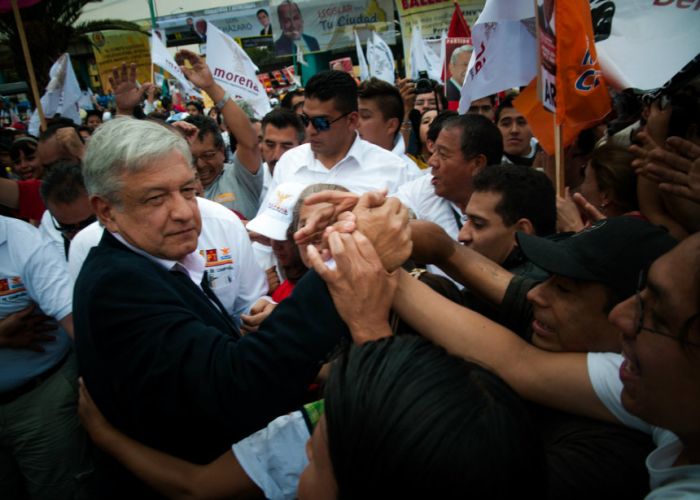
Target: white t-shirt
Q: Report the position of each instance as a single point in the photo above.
(32, 270)
(666, 481)
(234, 275)
(274, 457)
(366, 167)
(419, 195)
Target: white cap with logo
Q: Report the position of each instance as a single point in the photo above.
(276, 216)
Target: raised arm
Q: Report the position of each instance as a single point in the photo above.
(247, 150)
(559, 380)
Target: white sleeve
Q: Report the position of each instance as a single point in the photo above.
(45, 275)
(251, 278)
(80, 247)
(604, 370)
(406, 194)
(275, 456)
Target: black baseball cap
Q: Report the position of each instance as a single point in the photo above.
(612, 251)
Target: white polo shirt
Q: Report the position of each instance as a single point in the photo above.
(31, 271)
(234, 275)
(366, 167)
(665, 479)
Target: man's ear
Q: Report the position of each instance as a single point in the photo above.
(481, 161)
(525, 226)
(104, 210)
(353, 119)
(393, 125)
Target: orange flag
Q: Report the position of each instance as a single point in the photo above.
(577, 87)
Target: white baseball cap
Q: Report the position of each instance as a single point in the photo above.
(276, 216)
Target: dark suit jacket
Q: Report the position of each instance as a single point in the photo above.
(266, 31)
(166, 367)
(284, 45)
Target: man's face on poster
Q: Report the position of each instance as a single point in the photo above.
(291, 22)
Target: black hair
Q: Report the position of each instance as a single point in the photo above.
(26, 144)
(283, 118)
(206, 125)
(526, 193)
(479, 136)
(287, 99)
(261, 10)
(197, 105)
(387, 97)
(93, 112)
(407, 420)
(505, 103)
(56, 124)
(333, 85)
(63, 183)
(85, 128)
(437, 123)
(685, 113)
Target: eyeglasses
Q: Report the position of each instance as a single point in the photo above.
(320, 123)
(72, 228)
(639, 319)
(206, 156)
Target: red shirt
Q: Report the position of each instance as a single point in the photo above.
(31, 206)
(283, 291)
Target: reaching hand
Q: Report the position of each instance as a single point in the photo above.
(24, 330)
(91, 417)
(676, 168)
(127, 94)
(198, 72)
(362, 290)
(407, 89)
(568, 216)
(189, 131)
(322, 217)
(258, 313)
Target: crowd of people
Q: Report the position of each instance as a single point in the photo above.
(361, 295)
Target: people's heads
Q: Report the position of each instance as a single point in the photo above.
(609, 182)
(425, 102)
(194, 108)
(302, 212)
(93, 119)
(85, 132)
(294, 100)
(263, 17)
(141, 184)
(660, 327)
(330, 112)
(291, 22)
(412, 421)
(514, 128)
(592, 271)
(282, 130)
(64, 194)
(55, 143)
(435, 126)
(465, 144)
(25, 160)
(381, 112)
(484, 106)
(207, 149)
(507, 199)
(426, 118)
(201, 26)
(459, 60)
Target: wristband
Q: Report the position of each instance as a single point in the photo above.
(219, 105)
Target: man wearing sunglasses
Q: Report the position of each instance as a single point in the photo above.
(334, 153)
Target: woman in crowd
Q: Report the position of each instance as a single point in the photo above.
(25, 161)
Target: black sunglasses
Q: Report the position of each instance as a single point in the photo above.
(72, 228)
(320, 123)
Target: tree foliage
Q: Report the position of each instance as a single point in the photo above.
(51, 27)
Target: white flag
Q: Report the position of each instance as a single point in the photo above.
(62, 94)
(423, 57)
(505, 50)
(642, 45)
(160, 56)
(361, 61)
(380, 59)
(300, 55)
(233, 70)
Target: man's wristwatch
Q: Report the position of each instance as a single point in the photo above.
(219, 105)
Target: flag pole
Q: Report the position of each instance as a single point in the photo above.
(30, 66)
(558, 159)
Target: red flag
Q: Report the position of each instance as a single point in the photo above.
(458, 34)
(574, 85)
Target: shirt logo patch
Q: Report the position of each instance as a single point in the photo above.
(225, 197)
(11, 286)
(218, 257)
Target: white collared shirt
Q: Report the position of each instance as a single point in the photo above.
(223, 250)
(399, 150)
(366, 167)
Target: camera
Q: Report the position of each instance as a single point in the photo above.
(424, 85)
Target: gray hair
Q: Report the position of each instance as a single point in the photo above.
(458, 51)
(126, 145)
(308, 191)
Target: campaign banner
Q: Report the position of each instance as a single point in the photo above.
(62, 94)
(161, 57)
(112, 48)
(237, 21)
(317, 25)
(433, 17)
(232, 69)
